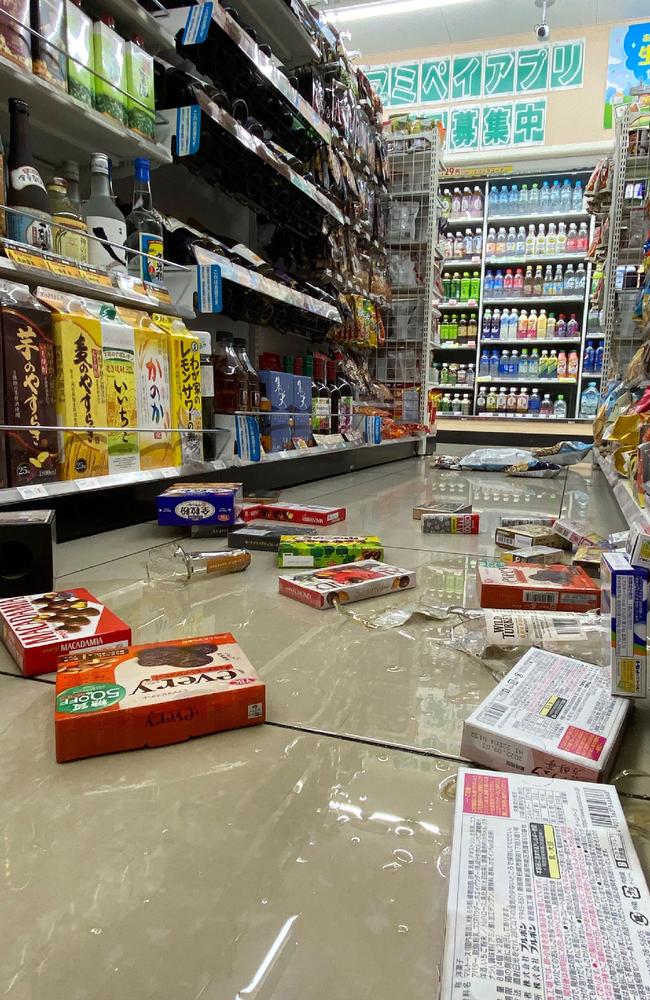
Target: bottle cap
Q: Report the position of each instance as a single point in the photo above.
(108, 20)
(141, 168)
(17, 105)
(99, 163)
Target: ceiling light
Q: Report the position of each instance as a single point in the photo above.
(364, 12)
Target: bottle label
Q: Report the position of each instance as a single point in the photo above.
(70, 244)
(30, 228)
(345, 413)
(320, 415)
(23, 177)
(150, 266)
(112, 256)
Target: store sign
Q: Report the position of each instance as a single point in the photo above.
(628, 66)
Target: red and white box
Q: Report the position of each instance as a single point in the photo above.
(547, 898)
(38, 629)
(551, 715)
(323, 588)
(450, 524)
(302, 514)
(526, 586)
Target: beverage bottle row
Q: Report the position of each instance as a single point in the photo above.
(510, 401)
(458, 246)
(555, 197)
(461, 288)
(533, 365)
(457, 203)
(511, 324)
(537, 281)
(589, 401)
(593, 360)
(455, 330)
(595, 319)
(332, 399)
(448, 404)
(452, 374)
(540, 241)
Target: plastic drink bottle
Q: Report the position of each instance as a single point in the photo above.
(487, 324)
(561, 239)
(578, 196)
(543, 365)
(523, 199)
(528, 281)
(582, 244)
(464, 286)
(511, 401)
(551, 239)
(534, 402)
(555, 197)
(551, 370)
(572, 239)
(547, 285)
(468, 243)
(513, 368)
(477, 202)
(546, 407)
(588, 362)
(566, 196)
(513, 325)
(513, 200)
(569, 279)
(465, 201)
(572, 327)
(598, 359)
(501, 242)
(581, 278)
(502, 399)
(504, 363)
(560, 326)
(456, 203)
(545, 197)
(504, 324)
(573, 364)
(561, 365)
(589, 401)
(538, 281)
(507, 283)
(491, 243)
(504, 200)
(558, 281)
(522, 401)
(498, 284)
(520, 247)
(531, 241)
(481, 401)
(532, 325)
(559, 408)
(472, 327)
(518, 283)
(523, 363)
(488, 286)
(493, 200)
(511, 241)
(540, 241)
(459, 245)
(541, 324)
(477, 242)
(464, 405)
(534, 199)
(522, 328)
(533, 364)
(491, 401)
(494, 365)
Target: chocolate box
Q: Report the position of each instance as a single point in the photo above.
(264, 537)
(184, 504)
(328, 550)
(154, 695)
(302, 514)
(323, 588)
(450, 524)
(38, 629)
(522, 536)
(540, 588)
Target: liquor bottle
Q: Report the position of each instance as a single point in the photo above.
(104, 219)
(254, 389)
(30, 222)
(335, 398)
(144, 230)
(69, 231)
(346, 400)
(320, 400)
(231, 379)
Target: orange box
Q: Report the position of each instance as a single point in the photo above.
(526, 586)
(153, 695)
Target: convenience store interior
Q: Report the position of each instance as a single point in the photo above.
(380, 268)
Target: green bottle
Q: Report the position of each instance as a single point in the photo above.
(465, 286)
(455, 286)
(475, 286)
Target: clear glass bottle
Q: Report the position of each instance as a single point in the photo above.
(144, 230)
(69, 231)
(104, 219)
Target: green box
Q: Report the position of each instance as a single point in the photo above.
(319, 551)
(140, 89)
(110, 72)
(79, 35)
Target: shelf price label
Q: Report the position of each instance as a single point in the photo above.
(247, 433)
(208, 288)
(32, 492)
(197, 24)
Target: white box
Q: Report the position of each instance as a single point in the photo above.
(547, 898)
(624, 602)
(637, 548)
(551, 715)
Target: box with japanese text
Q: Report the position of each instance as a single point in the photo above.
(540, 588)
(522, 536)
(153, 396)
(279, 390)
(185, 379)
(185, 504)
(264, 537)
(625, 594)
(450, 524)
(551, 715)
(154, 695)
(328, 550)
(577, 534)
(441, 507)
(543, 554)
(118, 347)
(637, 548)
(302, 514)
(38, 629)
(547, 897)
(323, 588)
(510, 520)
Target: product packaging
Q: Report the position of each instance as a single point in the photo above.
(79, 33)
(38, 629)
(250, 511)
(28, 540)
(576, 534)
(522, 536)
(15, 39)
(543, 554)
(302, 395)
(441, 507)
(264, 537)
(450, 524)
(511, 520)
(328, 550)
(618, 539)
(279, 390)
(184, 504)
(109, 59)
(539, 588)
(48, 42)
(118, 348)
(550, 715)
(153, 394)
(323, 588)
(140, 101)
(302, 514)
(637, 548)
(150, 696)
(28, 377)
(588, 558)
(625, 592)
(185, 372)
(546, 889)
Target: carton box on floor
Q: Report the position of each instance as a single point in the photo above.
(588, 558)
(263, 536)
(441, 507)
(328, 550)
(545, 889)
(323, 588)
(521, 536)
(551, 715)
(542, 554)
(509, 520)
(185, 504)
(539, 588)
(149, 696)
(625, 593)
(637, 548)
(450, 524)
(302, 514)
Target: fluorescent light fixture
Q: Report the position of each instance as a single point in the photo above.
(363, 12)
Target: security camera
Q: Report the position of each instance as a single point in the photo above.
(542, 32)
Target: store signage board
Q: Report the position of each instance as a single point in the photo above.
(628, 65)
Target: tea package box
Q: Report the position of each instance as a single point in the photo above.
(79, 34)
(109, 57)
(140, 90)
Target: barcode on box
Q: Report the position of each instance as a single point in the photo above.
(493, 713)
(600, 808)
(538, 597)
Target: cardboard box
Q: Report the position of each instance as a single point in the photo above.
(38, 629)
(545, 888)
(48, 41)
(184, 504)
(15, 39)
(539, 588)
(618, 539)
(118, 347)
(153, 395)
(625, 592)
(551, 715)
(140, 101)
(302, 514)
(441, 507)
(109, 61)
(522, 536)
(185, 385)
(509, 520)
(154, 695)
(323, 588)
(302, 426)
(328, 550)
(79, 33)
(637, 548)
(575, 534)
(302, 395)
(264, 537)
(450, 524)
(545, 555)
(279, 390)
(588, 558)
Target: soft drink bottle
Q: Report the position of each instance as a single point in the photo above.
(534, 403)
(566, 195)
(522, 401)
(582, 244)
(572, 327)
(491, 242)
(513, 325)
(513, 368)
(532, 325)
(551, 367)
(523, 363)
(573, 364)
(545, 197)
(487, 324)
(511, 401)
(503, 328)
(481, 401)
(543, 365)
(522, 328)
(498, 285)
(547, 286)
(554, 200)
(489, 284)
(561, 365)
(520, 247)
(572, 239)
(551, 239)
(511, 241)
(598, 359)
(541, 324)
(546, 406)
(569, 280)
(504, 363)
(560, 326)
(538, 281)
(588, 363)
(533, 364)
(507, 283)
(561, 239)
(502, 399)
(551, 326)
(518, 283)
(531, 241)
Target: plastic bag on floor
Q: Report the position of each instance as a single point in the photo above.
(495, 459)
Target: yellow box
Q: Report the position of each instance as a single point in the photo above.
(118, 343)
(153, 393)
(185, 371)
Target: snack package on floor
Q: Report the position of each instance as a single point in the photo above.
(577, 534)
(540, 588)
(637, 548)
(545, 888)
(510, 520)
(563, 453)
(264, 537)
(441, 507)
(38, 629)
(522, 536)
(543, 554)
(185, 390)
(588, 558)
(323, 588)
(450, 524)
(550, 715)
(185, 504)
(154, 695)
(328, 550)
(302, 514)
(625, 593)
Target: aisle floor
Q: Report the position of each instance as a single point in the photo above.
(304, 858)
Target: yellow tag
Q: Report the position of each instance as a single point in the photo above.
(158, 294)
(64, 270)
(25, 258)
(627, 676)
(94, 277)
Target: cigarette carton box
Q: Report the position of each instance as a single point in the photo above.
(547, 898)
(551, 715)
(450, 524)
(539, 588)
(543, 554)
(302, 514)
(262, 536)
(625, 591)
(328, 550)
(149, 696)
(637, 548)
(38, 629)
(323, 588)
(521, 536)
(441, 507)
(185, 504)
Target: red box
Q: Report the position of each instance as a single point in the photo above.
(526, 586)
(250, 512)
(302, 514)
(38, 629)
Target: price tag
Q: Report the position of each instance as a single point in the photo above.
(26, 258)
(168, 473)
(208, 288)
(32, 492)
(158, 294)
(63, 269)
(87, 484)
(95, 277)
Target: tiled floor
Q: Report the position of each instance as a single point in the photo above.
(304, 858)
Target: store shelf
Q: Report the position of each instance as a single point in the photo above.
(592, 375)
(517, 380)
(634, 515)
(63, 127)
(156, 30)
(532, 340)
(407, 244)
(471, 346)
(460, 306)
(473, 261)
(537, 259)
(539, 217)
(410, 194)
(461, 220)
(527, 300)
(277, 24)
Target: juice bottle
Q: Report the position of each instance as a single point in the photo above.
(551, 371)
(550, 326)
(561, 365)
(541, 324)
(560, 326)
(507, 282)
(518, 283)
(532, 325)
(546, 407)
(522, 328)
(491, 400)
(573, 364)
(572, 327)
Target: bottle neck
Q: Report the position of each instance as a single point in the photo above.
(73, 194)
(99, 185)
(142, 195)
(20, 148)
